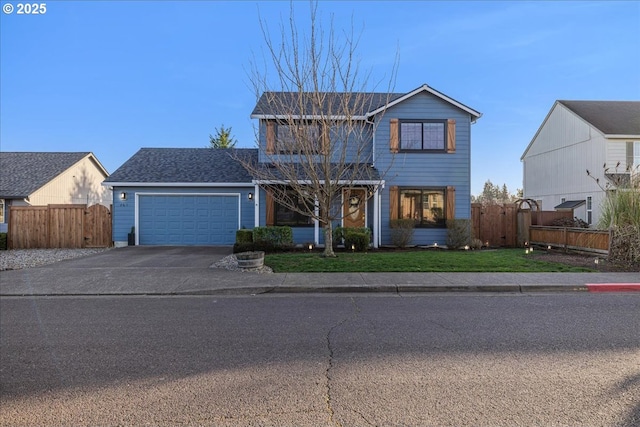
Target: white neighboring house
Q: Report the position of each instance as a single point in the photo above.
(577, 136)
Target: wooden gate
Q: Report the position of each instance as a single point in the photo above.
(97, 227)
(59, 226)
(495, 224)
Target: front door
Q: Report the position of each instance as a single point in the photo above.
(354, 207)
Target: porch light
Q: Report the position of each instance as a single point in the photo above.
(123, 196)
(250, 196)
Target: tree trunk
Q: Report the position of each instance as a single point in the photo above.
(328, 241)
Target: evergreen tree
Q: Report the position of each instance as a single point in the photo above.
(222, 138)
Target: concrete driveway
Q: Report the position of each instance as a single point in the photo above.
(151, 257)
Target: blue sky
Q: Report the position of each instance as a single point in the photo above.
(114, 76)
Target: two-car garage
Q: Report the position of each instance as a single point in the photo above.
(187, 219)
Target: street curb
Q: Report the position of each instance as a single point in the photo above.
(613, 287)
(360, 289)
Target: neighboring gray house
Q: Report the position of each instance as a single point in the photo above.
(43, 178)
(422, 143)
(577, 136)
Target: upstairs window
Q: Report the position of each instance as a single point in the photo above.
(428, 135)
(298, 138)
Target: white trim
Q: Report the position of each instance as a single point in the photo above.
(376, 218)
(616, 136)
(305, 117)
(256, 206)
(179, 184)
(136, 209)
(425, 88)
(316, 223)
(308, 182)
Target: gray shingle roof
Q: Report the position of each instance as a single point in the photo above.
(184, 165)
(609, 117)
(359, 103)
(22, 173)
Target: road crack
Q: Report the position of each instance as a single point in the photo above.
(330, 364)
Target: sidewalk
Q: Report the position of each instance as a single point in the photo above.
(53, 281)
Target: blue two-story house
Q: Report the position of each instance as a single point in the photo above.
(418, 151)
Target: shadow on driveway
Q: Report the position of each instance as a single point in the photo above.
(150, 257)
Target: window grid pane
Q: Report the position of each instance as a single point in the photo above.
(410, 135)
(425, 207)
(433, 134)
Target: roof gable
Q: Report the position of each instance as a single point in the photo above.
(363, 104)
(22, 173)
(184, 165)
(611, 118)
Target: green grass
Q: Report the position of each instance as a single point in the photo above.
(502, 260)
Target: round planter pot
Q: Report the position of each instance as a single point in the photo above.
(250, 259)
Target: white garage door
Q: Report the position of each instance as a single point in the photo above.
(188, 219)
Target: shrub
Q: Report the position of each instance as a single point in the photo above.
(3, 241)
(476, 244)
(279, 237)
(458, 233)
(256, 246)
(402, 232)
(358, 238)
(244, 236)
(338, 236)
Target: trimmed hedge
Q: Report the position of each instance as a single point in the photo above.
(3, 241)
(266, 239)
(244, 236)
(277, 235)
(358, 238)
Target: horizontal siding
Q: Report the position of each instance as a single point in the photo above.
(124, 211)
(358, 149)
(425, 169)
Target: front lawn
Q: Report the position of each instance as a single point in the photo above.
(501, 260)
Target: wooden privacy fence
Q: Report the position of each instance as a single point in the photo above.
(582, 239)
(506, 225)
(59, 226)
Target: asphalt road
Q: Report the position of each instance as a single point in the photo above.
(481, 360)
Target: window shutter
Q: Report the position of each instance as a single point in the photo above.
(451, 202)
(393, 203)
(451, 136)
(269, 205)
(271, 138)
(394, 137)
(326, 134)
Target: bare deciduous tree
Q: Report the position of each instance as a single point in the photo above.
(318, 139)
